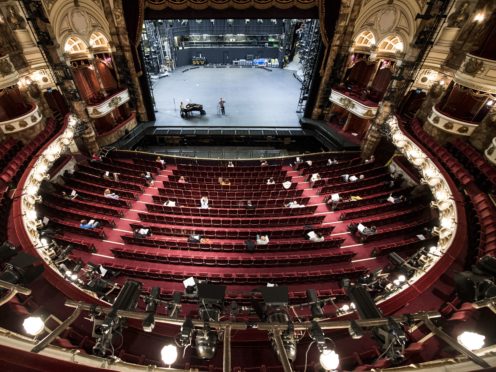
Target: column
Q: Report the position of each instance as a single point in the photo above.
(373, 135)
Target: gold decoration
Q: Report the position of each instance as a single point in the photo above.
(473, 66)
(114, 102)
(435, 119)
(448, 125)
(369, 113)
(95, 112)
(224, 4)
(6, 67)
(347, 103)
(33, 118)
(9, 128)
(462, 129)
(23, 124)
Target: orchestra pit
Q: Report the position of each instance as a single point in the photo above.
(249, 186)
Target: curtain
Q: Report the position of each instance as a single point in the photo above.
(380, 83)
(13, 104)
(360, 73)
(87, 84)
(107, 76)
(104, 124)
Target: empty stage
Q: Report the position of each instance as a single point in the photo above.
(254, 97)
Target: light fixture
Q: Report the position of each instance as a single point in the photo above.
(329, 360)
(490, 103)
(32, 190)
(401, 278)
(345, 308)
(479, 17)
(168, 354)
(447, 223)
(32, 215)
(33, 325)
(471, 340)
(441, 82)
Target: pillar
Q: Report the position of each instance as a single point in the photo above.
(373, 135)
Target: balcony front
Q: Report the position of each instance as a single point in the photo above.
(8, 74)
(22, 122)
(451, 125)
(107, 104)
(354, 103)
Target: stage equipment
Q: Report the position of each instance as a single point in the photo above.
(151, 307)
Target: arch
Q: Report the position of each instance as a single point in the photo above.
(391, 44)
(75, 45)
(365, 38)
(98, 40)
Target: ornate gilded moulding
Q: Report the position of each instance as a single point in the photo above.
(225, 4)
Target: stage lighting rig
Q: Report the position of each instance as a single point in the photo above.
(151, 307)
(206, 341)
(174, 306)
(126, 300)
(211, 301)
(21, 268)
(185, 336)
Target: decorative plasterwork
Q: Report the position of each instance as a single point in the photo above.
(352, 105)
(8, 74)
(477, 73)
(491, 152)
(116, 133)
(31, 118)
(110, 103)
(450, 125)
(225, 4)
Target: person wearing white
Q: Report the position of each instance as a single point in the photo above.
(170, 203)
(315, 177)
(262, 239)
(271, 181)
(331, 161)
(309, 162)
(314, 237)
(286, 184)
(294, 204)
(204, 202)
(230, 164)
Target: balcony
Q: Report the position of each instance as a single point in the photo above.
(490, 152)
(451, 125)
(108, 104)
(477, 73)
(111, 136)
(361, 107)
(25, 121)
(8, 74)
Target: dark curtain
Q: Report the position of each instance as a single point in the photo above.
(56, 101)
(462, 104)
(13, 104)
(104, 124)
(87, 84)
(488, 46)
(357, 125)
(360, 73)
(380, 83)
(107, 76)
(134, 13)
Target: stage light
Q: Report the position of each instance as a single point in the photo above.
(471, 340)
(151, 307)
(345, 308)
(206, 343)
(329, 360)
(33, 325)
(186, 332)
(315, 306)
(168, 354)
(401, 278)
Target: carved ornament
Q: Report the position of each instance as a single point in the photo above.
(347, 103)
(236, 4)
(6, 67)
(114, 102)
(473, 66)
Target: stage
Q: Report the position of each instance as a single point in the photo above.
(255, 97)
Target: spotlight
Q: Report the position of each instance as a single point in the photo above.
(329, 360)
(174, 306)
(151, 307)
(471, 340)
(168, 354)
(356, 332)
(33, 325)
(186, 332)
(206, 343)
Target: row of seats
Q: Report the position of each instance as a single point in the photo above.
(75, 243)
(83, 205)
(323, 165)
(231, 222)
(409, 243)
(233, 195)
(125, 180)
(234, 187)
(234, 173)
(154, 255)
(212, 232)
(122, 169)
(236, 204)
(84, 184)
(239, 278)
(230, 246)
(396, 215)
(369, 195)
(93, 197)
(230, 212)
(152, 166)
(347, 186)
(236, 169)
(244, 180)
(336, 170)
(370, 210)
(54, 209)
(72, 226)
(387, 232)
(486, 214)
(335, 176)
(8, 149)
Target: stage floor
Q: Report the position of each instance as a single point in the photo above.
(254, 97)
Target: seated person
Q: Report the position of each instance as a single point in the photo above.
(160, 161)
(181, 179)
(142, 232)
(294, 204)
(194, 238)
(271, 181)
(351, 177)
(204, 202)
(109, 194)
(334, 200)
(331, 161)
(309, 163)
(73, 195)
(116, 176)
(249, 205)
(263, 163)
(106, 176)
(286, 185)
(298, 161)
(170, 203)
(314, 236)
(89, 225)
(366, 231)
(224, 182)
(370, 160)
(395, 199)
(355, 197)
(230, 164)
(262, 239)
(315, 177)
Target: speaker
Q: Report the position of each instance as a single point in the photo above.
(250, 245)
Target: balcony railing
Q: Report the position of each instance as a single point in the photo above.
(108, 104)
(117, 132)
(363, 108)
(477, 73)
(8, 74)
(449, 124)
(25, 121)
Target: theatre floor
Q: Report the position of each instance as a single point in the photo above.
(254, 97)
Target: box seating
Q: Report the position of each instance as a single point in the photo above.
(260, 203)
(76, 243)
(390, 231)
(231, 222)
(233, 195)
(230, 278)
(83, 205)
(125, 180)
(370, 210)
(238, 181)
(409, 243)
(225, 189)
(237, 233)
(97, 189)
(228, 246)
(74, 227)
(346, 186)
(229, 173)
(74, 214)
(228, 212)
(90, 196)
(154, 255)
